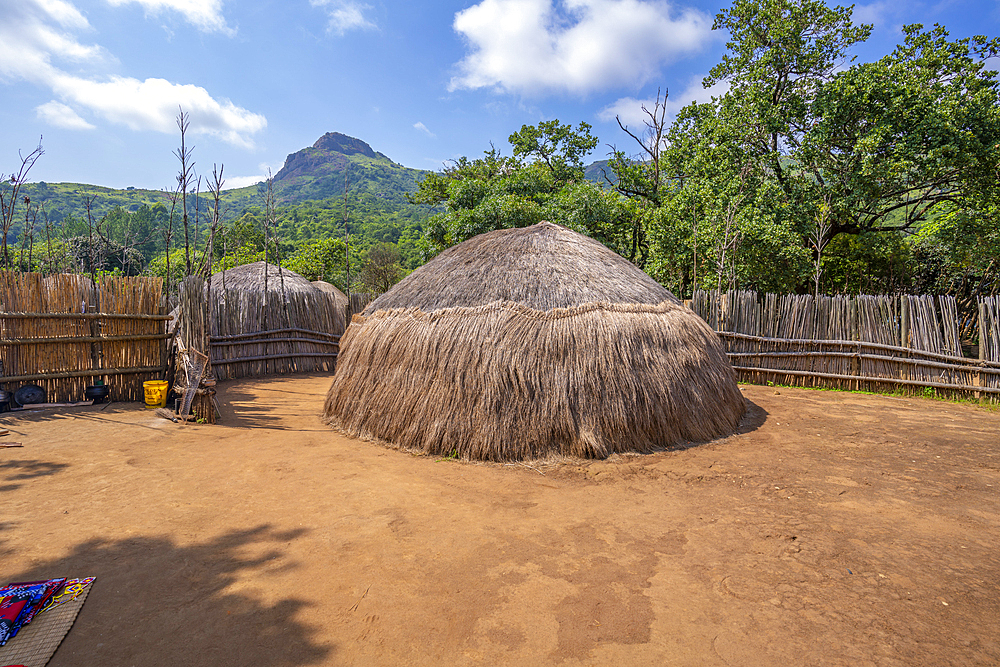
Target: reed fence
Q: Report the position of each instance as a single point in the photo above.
(63, 332)
(357, 303)
(863, 342)
(256, 333)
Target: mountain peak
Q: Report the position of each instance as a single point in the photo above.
(341, 143)
(335, 160)
(331, 152)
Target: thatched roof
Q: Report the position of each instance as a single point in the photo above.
(289, 306)
(250, 277)
(544, 266)
(339, 297)
(523, 343)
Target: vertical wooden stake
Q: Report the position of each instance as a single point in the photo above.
(982, 346)
(856, 362)
(904, 321)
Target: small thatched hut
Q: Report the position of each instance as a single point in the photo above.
(339, 298)
(273, 321)
(526, 342)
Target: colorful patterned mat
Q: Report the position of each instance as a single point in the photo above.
(33, 643)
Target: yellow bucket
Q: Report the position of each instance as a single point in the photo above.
(156, 393)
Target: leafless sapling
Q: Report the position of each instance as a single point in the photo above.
(185, 178)
(10, 186)
(818, 238)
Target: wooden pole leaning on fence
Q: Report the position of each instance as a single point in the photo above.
(904, 331)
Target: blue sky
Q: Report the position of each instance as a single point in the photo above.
(422, 82)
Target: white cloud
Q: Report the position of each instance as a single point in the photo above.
(345, 15)
(535, 47)
(32, 34)
(629, 109)
(153, 105)
(33, 41)
(423, 128)
(234, 182)
(64, 14)
(206, 15)
(695, 92)
(875, 13)
(60, 115)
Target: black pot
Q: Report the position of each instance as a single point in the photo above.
(29, 394)
(96, 392)
(5, 397)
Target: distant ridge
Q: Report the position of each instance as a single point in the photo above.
(314, 173)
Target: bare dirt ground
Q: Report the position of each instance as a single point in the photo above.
(836, 529)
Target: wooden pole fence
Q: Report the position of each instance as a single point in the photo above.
(254, 334)
(99, 372)
(313, 341)
(881, 380)
(263, 357)
(850, 342)
(82, 339)
(83, 316)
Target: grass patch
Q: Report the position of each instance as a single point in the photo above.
(920, 392)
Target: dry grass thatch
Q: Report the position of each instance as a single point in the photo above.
(524, 343)
(544, 266)
(56, 352)
(296, 322)
(340, 299)
(292, 301)
(250, 277)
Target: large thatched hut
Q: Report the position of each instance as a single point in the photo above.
(266, 321)
(521, 343)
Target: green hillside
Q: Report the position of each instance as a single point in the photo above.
(319, 172)
(596, 171)
(60, 200)
(311, 174)
(309, 192)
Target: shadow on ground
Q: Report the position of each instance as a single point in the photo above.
(249, 404)
(157, 602)
(15, 472)
(753, 419)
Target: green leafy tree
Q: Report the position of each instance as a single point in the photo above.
(559, 147)
(539, 181)
(381, 269)
(895, 142)
(865, 149)
(321, 259)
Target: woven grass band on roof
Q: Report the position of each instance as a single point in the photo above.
(505, 380)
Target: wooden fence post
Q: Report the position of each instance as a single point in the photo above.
(904, 333)
(904, 320)
(982, 345)
(856, 362)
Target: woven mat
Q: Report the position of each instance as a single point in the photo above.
(36, 642)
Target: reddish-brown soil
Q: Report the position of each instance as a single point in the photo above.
(835, 529)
